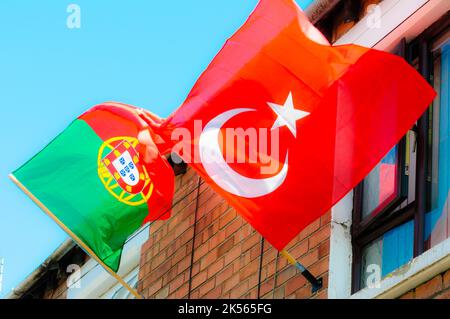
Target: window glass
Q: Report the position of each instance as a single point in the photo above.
(437, 225)
(387, 253)
(380, 186)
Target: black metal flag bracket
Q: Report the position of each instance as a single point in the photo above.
(315, 282)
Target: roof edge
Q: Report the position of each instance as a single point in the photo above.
(19, 291)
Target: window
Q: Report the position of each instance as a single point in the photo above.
(402, 207)
(437, 218)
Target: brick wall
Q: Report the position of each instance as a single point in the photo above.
(436, 288)
(224, 258)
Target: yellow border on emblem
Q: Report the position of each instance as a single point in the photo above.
(106, 177)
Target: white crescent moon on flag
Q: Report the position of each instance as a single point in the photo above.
(219, 170)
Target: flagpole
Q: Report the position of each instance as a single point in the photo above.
(75, 237)
(315, 282)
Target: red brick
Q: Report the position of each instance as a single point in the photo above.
(300, 249)
(325, 218)
(165, 241)
(162, 294)
(185, 237)
(203, 223)
(160, 270)
(446, 278)
(186, 202)
(184, 264)
(140, 287)
(319, 236)
(146, 258)
(158, 260)
(195, 268)
(443, 295)
(225, 247)
(231, 282)
(216, 240)
(286, 274)
(199, 279)
(245, 232)
(249, 270)
(210, 231)
(324, 249)
(233, 226)
(207, 286)
(266, 286)
(324, 280)
(269, 256)
(211, 204)
(251, 241)
(240, 290)
(214, 294)
(408, 295)
(224, 274)
(179, 254)
(252, 294)
(195, 294)
(226, 218)
(143, 272)
(176, 283)
(182, 227)
(232, 254)
(170, 275)
(308, 230)
(268, 270)
(429, 288)
(253, 280)
(147, 246)
(200, 251)
(309, 258)
(215, 267)
(156, 225)
(208, 259)
(173, 222)
(206, 193)
(153, 288)
(320, 268)
(188, 212)
(302, 293)
(225, 295)
(255, 252)
(182, 292)
(295, 283)
(279, 293)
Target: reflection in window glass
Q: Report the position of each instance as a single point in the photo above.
(380, 186)
(387, 253)
(437, 224)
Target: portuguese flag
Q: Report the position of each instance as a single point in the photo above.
(93, 181)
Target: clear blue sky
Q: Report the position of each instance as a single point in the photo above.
(146, 53)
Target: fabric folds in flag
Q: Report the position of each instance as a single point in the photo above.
(332, 113)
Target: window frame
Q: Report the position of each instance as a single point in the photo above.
(365, 231)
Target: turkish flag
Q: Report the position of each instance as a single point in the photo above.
(283, 125)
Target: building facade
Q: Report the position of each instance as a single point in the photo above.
(388, 238)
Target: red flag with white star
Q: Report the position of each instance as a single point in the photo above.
(283, 125)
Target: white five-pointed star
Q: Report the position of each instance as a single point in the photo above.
(287, 115)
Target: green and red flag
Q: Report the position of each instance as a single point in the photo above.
(95, 181)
